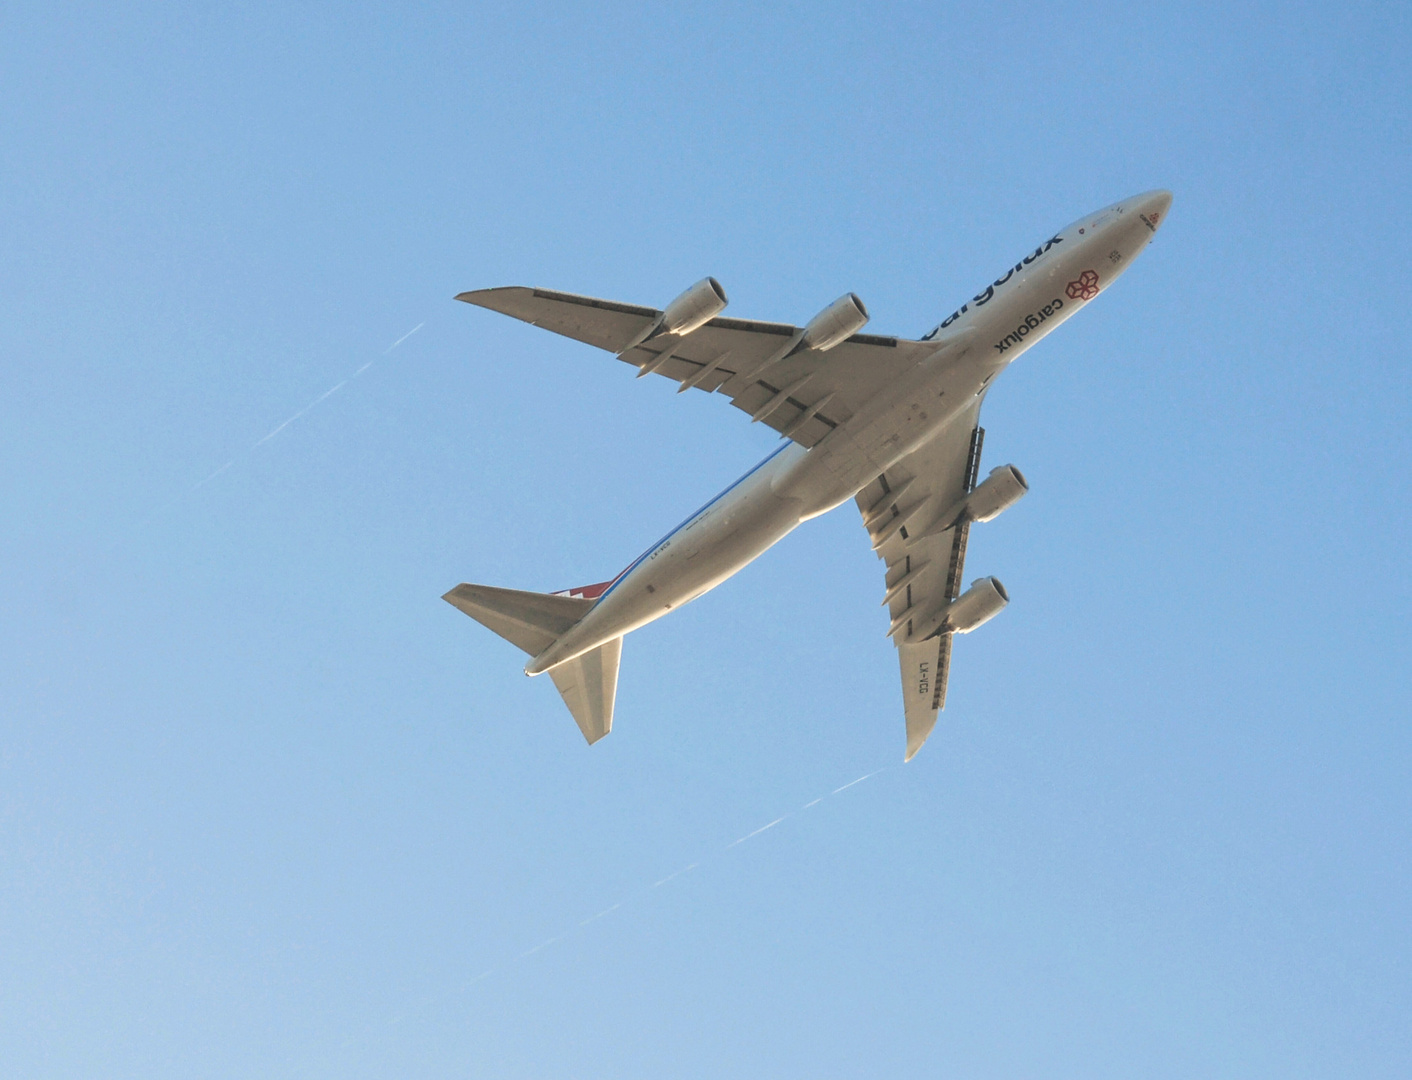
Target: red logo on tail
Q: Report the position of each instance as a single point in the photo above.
(587, 592)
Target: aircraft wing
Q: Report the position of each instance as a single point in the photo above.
(760, 366)
(905, 510)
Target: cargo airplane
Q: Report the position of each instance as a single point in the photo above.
(887, 422)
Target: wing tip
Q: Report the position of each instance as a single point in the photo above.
(919, 729)
(479, 297)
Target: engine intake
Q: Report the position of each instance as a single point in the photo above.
(1002, 489)
(836, 323)
(694, 308)
(982, 602)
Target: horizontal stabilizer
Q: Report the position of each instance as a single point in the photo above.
(588, 684)
(529, 620)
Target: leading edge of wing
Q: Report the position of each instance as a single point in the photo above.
(602, 323)
(511, 300)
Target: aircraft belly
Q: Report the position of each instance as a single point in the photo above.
(856, 453)
(717, 548)
(690, 563)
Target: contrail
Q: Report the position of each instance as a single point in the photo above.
(758, 831)
(590, 919)
(636, 894)
(215, 474)
(276, 430)
(659, 884)
(326, 394)
(162, 507)
(313, 404)
(850, 783)
(321, 398)
(541, 945)
(394, 345)
(663, 881)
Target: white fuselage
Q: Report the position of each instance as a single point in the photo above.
(794, 484)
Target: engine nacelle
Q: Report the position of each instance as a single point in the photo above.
(1002, 489)
(837, 322)
(694, 308)
(982, 602)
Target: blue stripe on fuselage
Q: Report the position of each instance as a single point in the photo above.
(692, 517)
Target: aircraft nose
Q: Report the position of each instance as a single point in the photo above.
(1153, 207)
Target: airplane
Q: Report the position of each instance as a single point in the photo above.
(891, 423)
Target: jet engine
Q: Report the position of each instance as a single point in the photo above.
(976, 606)
(694, 308)
(836, 323)
(1002, 489)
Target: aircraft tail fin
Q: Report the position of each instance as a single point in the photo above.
(588, 684)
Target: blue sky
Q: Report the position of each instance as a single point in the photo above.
(268, 807)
